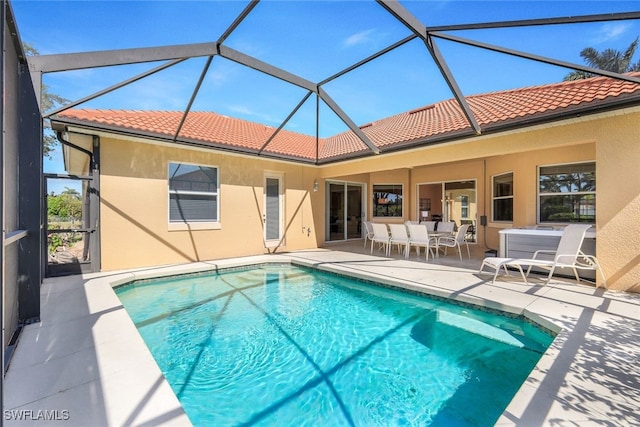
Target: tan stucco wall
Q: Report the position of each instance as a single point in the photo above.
(612, 140)
(618, 202)
(134, 206)
(134, 192)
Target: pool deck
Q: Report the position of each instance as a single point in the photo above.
(85, 364)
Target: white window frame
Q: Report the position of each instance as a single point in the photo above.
(179, 225)
(494, 197)
(576, 193)
(464, 206)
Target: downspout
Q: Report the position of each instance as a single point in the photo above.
(75, 147)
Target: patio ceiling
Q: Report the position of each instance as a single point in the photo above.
(309, 89)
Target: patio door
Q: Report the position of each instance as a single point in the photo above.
(272, 216)
(345, 211)
(73, 236)
(449, 201)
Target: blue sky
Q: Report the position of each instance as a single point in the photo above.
(313, 40)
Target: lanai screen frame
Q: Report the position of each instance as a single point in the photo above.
(176, 54)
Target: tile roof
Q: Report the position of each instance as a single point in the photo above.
(440, 121)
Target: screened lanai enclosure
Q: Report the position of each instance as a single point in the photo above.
(400, 55)
(354, 63)
(327, 71)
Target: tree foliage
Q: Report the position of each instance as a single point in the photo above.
(48, 102)
(67, 204)
(609, 60)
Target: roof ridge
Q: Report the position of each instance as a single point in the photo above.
(555, 84)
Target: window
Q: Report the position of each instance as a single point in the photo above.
(567, 193)
(387, 200)
(464, 206)
(503, 197)
(193, 193)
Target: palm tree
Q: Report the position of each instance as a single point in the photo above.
(609, 60)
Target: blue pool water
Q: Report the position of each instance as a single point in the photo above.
(282, 345)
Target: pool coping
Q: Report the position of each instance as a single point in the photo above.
(589, 375)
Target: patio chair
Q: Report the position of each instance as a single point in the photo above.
(455, 241)
(446, 227)
(380, 236)
(419, 238)
(399, 237)
(431, 225)
(368, 232)
(567, 255)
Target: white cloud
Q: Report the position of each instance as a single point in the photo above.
(245, 111)
(611, 31)
(359, 38)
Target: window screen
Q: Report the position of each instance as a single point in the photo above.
(387, 200)
(567, 193)
(193, 193)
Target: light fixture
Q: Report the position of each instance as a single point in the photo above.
(316, 185)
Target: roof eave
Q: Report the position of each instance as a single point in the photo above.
(565, 113)
(165, 138)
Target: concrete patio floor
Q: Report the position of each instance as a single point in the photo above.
(86, 364)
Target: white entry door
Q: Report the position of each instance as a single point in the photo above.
(273, 213)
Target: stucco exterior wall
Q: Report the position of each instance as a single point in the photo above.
(618, 202)
(134, 206)
(134, 192)
(611, 140)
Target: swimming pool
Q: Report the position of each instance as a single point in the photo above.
(285, 345)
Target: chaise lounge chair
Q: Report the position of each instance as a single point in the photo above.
(568, 255)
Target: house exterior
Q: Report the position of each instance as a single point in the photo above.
(221, 187)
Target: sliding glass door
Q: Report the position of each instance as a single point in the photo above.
(449, 201)
(344, 211)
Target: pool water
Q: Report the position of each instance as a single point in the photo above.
(284, 345)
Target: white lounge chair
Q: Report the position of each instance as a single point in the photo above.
(456, 241)
(567, 255)
(419, 238)
(380, 236)
(399, 237)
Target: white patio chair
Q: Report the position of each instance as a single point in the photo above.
(446, 227)
(380, 236)
(420, 239)
(455, 241)
(567, 255)
(431, 225)
(368, 232)
(399, 237)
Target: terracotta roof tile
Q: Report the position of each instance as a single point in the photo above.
(430, 122)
